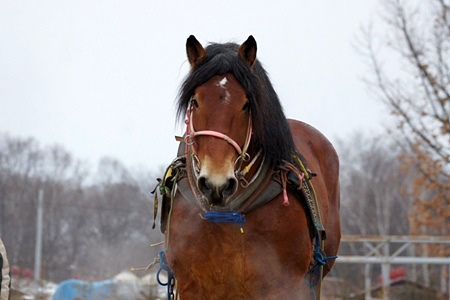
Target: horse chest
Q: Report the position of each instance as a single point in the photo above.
(218, 259)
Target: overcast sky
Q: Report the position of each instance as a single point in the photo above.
(101, 77)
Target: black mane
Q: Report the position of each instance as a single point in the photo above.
(270, 128)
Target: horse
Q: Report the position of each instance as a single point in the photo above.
(250, 205)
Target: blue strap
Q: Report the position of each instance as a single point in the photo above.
(225, 217)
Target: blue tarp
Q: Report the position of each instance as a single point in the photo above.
(81, 290)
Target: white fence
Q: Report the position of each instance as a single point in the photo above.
(381, 250)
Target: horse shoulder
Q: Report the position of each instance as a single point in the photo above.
(314, 146)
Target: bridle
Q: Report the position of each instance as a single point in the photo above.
(243, 155)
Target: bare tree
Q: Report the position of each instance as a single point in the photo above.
(62, 181)
(94, 225)
(372, 202)
(371, 184)
(415, 86)
(20, 164)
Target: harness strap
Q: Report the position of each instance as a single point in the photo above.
(311, 197)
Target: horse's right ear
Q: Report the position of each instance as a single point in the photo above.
(195, 51)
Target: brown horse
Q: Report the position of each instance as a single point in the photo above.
(241, 161)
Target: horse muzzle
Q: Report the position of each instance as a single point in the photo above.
(217, 191)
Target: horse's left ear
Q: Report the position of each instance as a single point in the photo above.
(247, 51)
(194, 50)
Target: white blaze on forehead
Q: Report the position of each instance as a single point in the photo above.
(222, 84)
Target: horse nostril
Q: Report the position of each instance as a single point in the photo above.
(230, 187)
(203, 186)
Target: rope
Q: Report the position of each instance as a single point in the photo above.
(286, 167)
(314, 275)
(164, 266)
(225, 217)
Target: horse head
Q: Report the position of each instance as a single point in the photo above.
(219, 126)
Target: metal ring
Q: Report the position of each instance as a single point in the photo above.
(244, 183)
(238, 164)
(189, 139)
(158, 274)
(246, 157)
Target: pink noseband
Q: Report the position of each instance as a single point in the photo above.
(191, 134)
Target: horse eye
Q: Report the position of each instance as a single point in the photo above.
(246, 106)
(194, 103)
